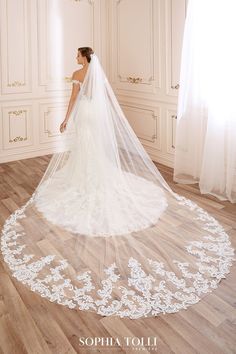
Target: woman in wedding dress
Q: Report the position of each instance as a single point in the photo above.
(112, 237)
(94, 195)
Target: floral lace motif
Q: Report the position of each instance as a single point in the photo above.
(142, 296)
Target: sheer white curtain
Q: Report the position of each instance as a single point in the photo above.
(206, 116)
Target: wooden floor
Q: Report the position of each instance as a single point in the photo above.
(31, 324)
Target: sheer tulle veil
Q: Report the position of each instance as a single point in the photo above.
(103, 231)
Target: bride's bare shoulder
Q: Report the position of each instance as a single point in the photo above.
(77, 75)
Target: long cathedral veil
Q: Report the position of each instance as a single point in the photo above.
(103, 231)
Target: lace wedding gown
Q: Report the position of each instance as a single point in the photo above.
(80, 191)
(103, 231)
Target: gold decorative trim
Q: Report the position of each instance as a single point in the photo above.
(134, 80)
(17, 138)
(16, 83)
(17, 113)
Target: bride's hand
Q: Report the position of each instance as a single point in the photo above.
(63, 126)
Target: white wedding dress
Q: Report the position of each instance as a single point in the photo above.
(88, 183)
(103, 231)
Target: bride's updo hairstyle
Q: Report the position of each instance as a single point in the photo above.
(86, 52)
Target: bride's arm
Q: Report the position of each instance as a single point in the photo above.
(74, 93)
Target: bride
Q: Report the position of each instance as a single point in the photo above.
(101, 189)
(103, 231)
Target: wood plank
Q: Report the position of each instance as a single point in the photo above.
(32, 324)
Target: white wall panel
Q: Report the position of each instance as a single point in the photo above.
(145, 123)
(63, 26)
(38, 49)
(135, 38)
(175, 17)
(139, 43)
(17, 126)
(146, 43)
(16, 58)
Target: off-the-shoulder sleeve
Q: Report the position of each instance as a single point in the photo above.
(75, 81)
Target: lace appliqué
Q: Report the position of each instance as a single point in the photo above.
(142, 296)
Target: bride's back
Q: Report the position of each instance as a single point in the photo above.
(79, 75)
